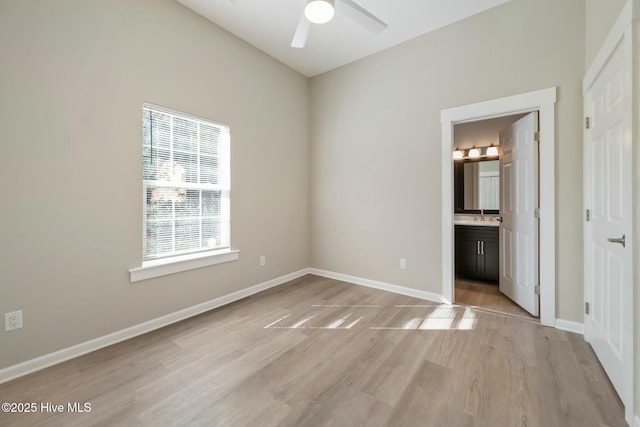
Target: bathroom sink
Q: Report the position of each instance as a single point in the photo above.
(485, 223)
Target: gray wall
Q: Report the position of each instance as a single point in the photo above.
(600, 15)
(74, 77)
(375, 140)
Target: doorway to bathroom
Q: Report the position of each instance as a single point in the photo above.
(542, 287)
(495, 193)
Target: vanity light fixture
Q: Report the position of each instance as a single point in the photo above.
(458, 154)
(492, 150)
(319, 11)
(474, 153)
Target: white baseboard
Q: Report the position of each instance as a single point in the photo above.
(429, 296)
(570, 326)
(24, 368)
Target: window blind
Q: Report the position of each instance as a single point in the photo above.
(186, 184)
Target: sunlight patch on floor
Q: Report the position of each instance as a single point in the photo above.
(416, 305)
(442, 318)
(347, 305)
(273, 323)
(301, 324)
(422, 318)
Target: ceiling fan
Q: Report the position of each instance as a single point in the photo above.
(321, 11)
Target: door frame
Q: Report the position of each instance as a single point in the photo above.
(543, 101)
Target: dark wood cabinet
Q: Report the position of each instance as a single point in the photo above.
(477, 252)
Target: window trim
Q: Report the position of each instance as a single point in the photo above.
(156, 267)
(178, 263)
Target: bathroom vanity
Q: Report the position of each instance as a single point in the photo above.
(477, 250)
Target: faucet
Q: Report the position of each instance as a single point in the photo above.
(482, 215)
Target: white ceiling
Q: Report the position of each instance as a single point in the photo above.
(269, 25)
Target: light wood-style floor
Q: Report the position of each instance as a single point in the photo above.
(318, 352)
(487, 296)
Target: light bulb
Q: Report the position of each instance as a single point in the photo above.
(319, 11)
(492, 150)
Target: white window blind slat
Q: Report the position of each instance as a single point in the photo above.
(185, 184)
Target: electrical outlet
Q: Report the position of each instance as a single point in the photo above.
(13, 320)
(263, 260)
(403, 263)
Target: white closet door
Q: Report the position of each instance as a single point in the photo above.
(608, 265)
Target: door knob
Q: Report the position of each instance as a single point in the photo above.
(621, 240)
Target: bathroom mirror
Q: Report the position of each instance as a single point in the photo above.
(477, 186)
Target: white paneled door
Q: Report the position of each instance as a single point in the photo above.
(608, 264)
(519, 227)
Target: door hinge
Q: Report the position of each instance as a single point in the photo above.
(587, 215)
(536, 136)
(587, 123)
(586, 308)
(536, 213)
(537, 289)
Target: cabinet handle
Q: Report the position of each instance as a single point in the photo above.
(483, 247)
(478, 246)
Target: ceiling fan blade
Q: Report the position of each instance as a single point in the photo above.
(362, 16)
(302, 31)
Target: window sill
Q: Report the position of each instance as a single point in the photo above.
(177, 264)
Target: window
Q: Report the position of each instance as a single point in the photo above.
(186, 184)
